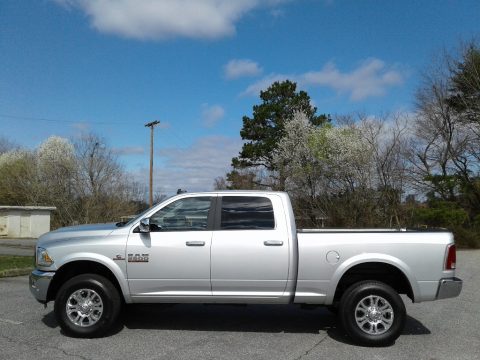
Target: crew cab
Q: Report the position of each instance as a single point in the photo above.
(240, 247)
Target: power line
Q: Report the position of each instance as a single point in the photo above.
(176, 135)
(29, 118)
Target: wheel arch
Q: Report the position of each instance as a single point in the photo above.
(378, 267)
(85, 264)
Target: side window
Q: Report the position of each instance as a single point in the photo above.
(182, 215)
(247, 213)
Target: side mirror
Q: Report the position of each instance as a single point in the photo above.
(144, 226)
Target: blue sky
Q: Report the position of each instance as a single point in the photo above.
(197, 66)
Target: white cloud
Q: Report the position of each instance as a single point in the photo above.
(162, 19)
(194, 168)
(81, 126)
(371, 78)
(164, 125)
(277, 13)
(237, 68)
(129, 150)
(211, 114)
(263, 84)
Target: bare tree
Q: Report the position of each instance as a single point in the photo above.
(6, 145)
(104, 190)
(219, 183)
(388, 138)
(445, 152)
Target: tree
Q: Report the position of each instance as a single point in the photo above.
(388, 138)
(464, 99)
(6, 145)
(303, 173)
(465, 84)
(104, 190)
(242, 179)
(267, 126)
(446, 149)
(84, 182)
(219, 183)
(56, 170)
(97, 165)
(447, 144)
(353, 172)
(19, 180)
(294, 156)
(348, 175)
(40, 177)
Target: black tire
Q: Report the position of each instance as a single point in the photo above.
(379, 328)
(100, 318)
(333, 309)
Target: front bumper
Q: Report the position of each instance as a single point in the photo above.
(39, 283)
(449, 287)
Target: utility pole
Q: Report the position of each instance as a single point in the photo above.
(151, 125)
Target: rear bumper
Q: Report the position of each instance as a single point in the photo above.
(449, 287)
(39, 283)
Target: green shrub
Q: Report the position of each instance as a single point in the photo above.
(467, 238)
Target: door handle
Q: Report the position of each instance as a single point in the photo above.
(273, 243)
(195, 243)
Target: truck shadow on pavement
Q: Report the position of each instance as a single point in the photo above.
(237, 318)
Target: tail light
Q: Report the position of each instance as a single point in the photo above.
(451, 260)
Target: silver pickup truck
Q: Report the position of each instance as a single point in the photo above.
(240, 247)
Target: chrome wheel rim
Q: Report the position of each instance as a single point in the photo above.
(374, 315)
(84, 307)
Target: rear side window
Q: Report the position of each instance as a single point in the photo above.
(247, 213)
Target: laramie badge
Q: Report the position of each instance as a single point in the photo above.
(138, 257)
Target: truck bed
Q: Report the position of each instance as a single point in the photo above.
(325, 254)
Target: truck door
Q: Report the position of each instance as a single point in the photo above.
(249, 247)
(173, 260)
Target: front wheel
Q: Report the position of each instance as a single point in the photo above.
(372, 313)
(87, 305)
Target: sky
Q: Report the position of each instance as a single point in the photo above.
(68, 67)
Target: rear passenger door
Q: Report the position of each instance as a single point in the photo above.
(249, 254)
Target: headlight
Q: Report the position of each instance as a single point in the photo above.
(43, 259)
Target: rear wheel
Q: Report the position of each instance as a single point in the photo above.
(372, 313)
(87, 305)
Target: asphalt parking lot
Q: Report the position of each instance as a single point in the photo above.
(446, 329)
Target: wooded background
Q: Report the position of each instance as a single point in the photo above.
(416, 169)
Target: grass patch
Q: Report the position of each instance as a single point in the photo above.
(10, 264)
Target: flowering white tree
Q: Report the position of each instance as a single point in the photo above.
(296, 160)
(86, 183)
(56, 166)
(10, 157)
(345, 155)
(353, 173)
(56, 150)
(293, 154)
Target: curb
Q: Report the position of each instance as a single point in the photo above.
(16, 272)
